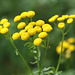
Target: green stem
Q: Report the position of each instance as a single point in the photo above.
(26, 21)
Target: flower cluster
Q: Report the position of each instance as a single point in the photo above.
(68, 47)
(4, 25)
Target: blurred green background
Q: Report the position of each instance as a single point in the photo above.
(10, 64)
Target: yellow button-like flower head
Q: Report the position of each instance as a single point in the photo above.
(21, 25)
(37, 41)
(25, 36)
(69, 20)
(22, 31)
(71, 47)
(6, 25)
(60, 19)
(42, 35)
(40, 22)
(4, 30)
(1, 27)
(61, 25)
(28, 27)
(15, 36)
(65, 16)
(72, 16)
(32, 23)
(24, 14)
(71, 40)
(3, 21)
(65, 44)
(17, 18)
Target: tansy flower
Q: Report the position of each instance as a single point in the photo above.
(4, 30)
(15, 36)
(32, 31)
(25, 36)
(0, 27)
(60, 19)
(40, 22)
(71, 47)
(17, 18)
(65, 16)
(67, 56)
(69, 20)
(31, 14)
(65, 44)
(71, 40)
(72, 16)
(21, 25)
(37, 41)
(22, 31)
(61, 25)
(32, 23)
(42, 35)
(6, 25)
(3, 21)
(28, 27)
(24, 14)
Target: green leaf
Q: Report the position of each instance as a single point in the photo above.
(27, 43)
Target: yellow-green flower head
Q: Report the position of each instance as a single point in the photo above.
(61, 25)
(38, 29)
(37, 41)
(25, 36)
(72, 16)
(4, 30)
(21, 25)
(3, 21)
(67, 56)
(56, 16)
(16, 36)
(24, 14)
(6, 25)
(31, 14)
(65, 16)
(69, 20)
(1, 27)
(60, 19)
(71, 40)
(65, 44)
(47, 28)
(22, 31)
(32, 23)
(32, 31)
(71, 47)
(42, 35)
(40, 22)
(17, 18)
(28, 27)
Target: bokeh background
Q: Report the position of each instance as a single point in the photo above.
(10, 63)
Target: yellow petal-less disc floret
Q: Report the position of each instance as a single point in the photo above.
(72, 16)
(69, 20)
(4, 30)
(28, 27)
(17, 18)
(32, 23)
(3, 21)
(1, 27)
(65, 44)
(71, 40)
(38, 29)
(15, 36)
(25, 36)
(47, 28)
(21, 25)
(22, 31)
(37, 41)
(24, 14)
(61, 25)
(32, 31)
(71, 47)
(60, 19)
(42, 35)
(40, 22)
(31, 14)
(65, 16)
(6, 25)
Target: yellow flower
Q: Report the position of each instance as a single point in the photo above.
(67, 56)
(4, 30)
(37, 41)
(17, 18)
(31, 14)
(6, 25)
(47, 28)
(42, 35)
(38, 29)
(32, 31)
(24, 14)
(60, 19)
(65, 44)
(71, 47)
(72, 16)
(21, 25)
(16, 36)
(65, 16)
(40, 22)
(32, 23)
(61, 25)
(28, 27)
(0, 27)
(71, 40)
(3, 21)
(22, 31)
(56, 16)
(69, 20)
(25, 36)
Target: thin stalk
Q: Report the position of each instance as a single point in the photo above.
(26, 21)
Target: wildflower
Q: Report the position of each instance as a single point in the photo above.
(31, 14)
(0, 27)
(60, 19)
(24, 14)
(25, 36)
(4, 30)
(21, 25)
(22, 31)
(42, 35)
(72, 16)
(67, 56)
(6, 25)
(71, 40)
(40, 22)
(65, 16)
(37, 41)
(69, 20)
(71, 47)
(17, 18)
(28, 27)
(65, 44)
(32, 23)
(32, 31)
(15, 36)
(61, 25)
(3, 21)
